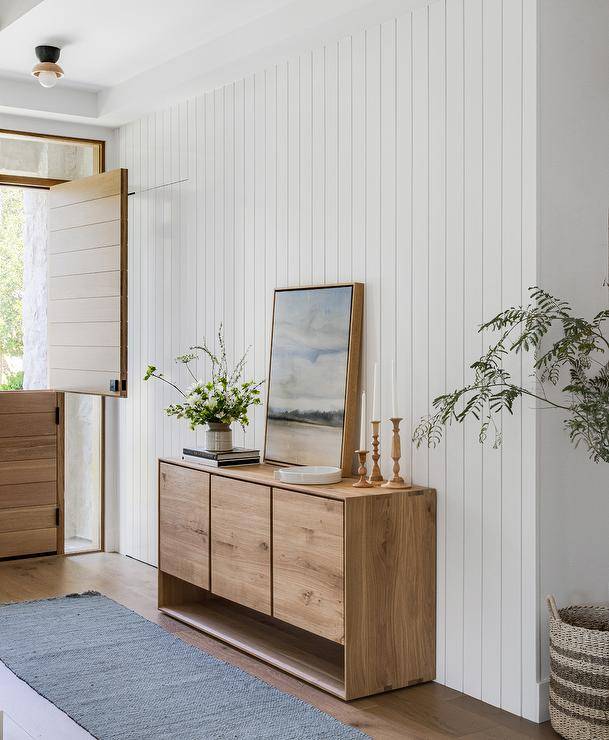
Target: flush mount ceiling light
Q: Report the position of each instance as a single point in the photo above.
(47, 70)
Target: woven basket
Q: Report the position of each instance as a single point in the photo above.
(579, 671)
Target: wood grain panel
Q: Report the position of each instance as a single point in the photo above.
(390, 591)
(27, 425)
(184, 524)
(92, 285)
(99, 359)
(241, 542)
(92, 236)
(24, 517)
(77, 310)
(27, 471)
(31, 459)
(29, 542)
(28, 494)
(308, 586)
(88, 188)
(86, 213)
(17, 402)
(104, 334)
(303, 655)
(27, 448)
(104, 259)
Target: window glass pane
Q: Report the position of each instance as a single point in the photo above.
(29, 156)
(83, 464)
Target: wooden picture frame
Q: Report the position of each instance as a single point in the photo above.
(316, 338)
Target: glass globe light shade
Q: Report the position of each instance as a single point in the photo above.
(47, 78)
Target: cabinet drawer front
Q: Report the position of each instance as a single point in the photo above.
(28, 542)
(308, 574)
(28, 494)
(241, 542)
(24, 518)
(184, 523)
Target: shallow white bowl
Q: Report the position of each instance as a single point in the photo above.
(309, 475)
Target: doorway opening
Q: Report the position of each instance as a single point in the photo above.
(29, 164)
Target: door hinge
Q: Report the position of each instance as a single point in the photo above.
(56, 517)
(57, 415)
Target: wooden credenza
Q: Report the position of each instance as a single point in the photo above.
(332, 584)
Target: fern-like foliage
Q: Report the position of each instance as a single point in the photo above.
(577, 349)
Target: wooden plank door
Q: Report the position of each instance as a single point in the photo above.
(31, 473)
(241, 542)
(87, 311)
(308, 569)
(184, 523)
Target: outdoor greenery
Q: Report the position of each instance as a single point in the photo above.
(11, 275)
(571, 357)
(222, 399)
(14, 382)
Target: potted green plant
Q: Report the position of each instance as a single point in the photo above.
(578, 355)
(572, 375)
(217, 402)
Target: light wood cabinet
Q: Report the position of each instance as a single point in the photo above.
(308, 573)
(333, 584)
(184, 524)
(241, 542)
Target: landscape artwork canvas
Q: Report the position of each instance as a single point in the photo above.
(310, 375)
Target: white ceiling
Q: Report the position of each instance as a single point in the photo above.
(106, 43)
(123, 58)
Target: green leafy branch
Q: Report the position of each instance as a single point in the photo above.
(579, 352)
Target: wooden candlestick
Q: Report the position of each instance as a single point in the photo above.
(376, 477)
(396, 480)
(362, 482)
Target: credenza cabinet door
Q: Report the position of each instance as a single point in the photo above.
(241, 542)
(308, 572)
(184, 524)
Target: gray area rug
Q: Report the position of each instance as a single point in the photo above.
(122, 677)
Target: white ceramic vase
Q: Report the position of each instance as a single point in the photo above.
(218, 437)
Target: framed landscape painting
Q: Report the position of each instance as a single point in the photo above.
(312, 387)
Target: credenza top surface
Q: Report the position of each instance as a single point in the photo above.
(264, 475)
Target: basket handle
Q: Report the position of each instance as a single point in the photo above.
(552, 608)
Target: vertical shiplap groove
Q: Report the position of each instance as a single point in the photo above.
(397, 156)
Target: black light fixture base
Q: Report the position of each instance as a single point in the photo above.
(48, 53)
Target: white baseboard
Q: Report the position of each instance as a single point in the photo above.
(544, 698)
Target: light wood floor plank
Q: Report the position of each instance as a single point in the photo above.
(426, 712)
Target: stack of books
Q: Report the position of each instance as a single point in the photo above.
(236, 456)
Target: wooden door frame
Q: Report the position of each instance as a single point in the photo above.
(44, 183)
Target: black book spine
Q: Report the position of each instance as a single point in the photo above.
(201, 453)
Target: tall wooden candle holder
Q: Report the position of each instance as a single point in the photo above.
(362, 472)
(396, 481)
(376, 477)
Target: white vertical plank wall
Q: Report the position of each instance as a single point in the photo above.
(400, 156)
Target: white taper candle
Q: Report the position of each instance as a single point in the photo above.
(376, 414)
(394, 392)
(362, 425)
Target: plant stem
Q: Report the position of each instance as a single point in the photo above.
(173, 385)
